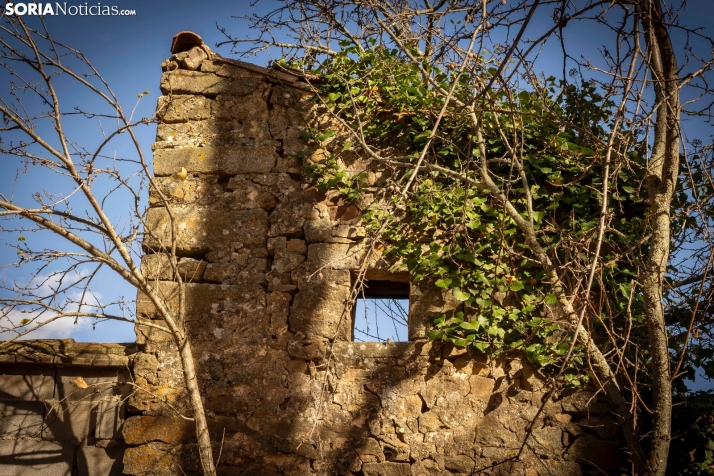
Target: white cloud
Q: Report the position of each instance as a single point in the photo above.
(62, 328)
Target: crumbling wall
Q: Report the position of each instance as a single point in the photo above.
(62, 406)
(269, 262)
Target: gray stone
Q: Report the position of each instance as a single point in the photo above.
(21, 418)
(70, 421)
(101, 384)
(26, 382)
(97, 461)
(36, 458)
(110, 418)
(548, 441)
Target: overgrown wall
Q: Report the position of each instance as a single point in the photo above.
(270, 262)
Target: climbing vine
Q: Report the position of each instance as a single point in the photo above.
(449, 230)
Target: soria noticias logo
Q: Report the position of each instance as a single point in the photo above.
(62, 8)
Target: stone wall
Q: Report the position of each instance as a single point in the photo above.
(270, 261)
(62, 405)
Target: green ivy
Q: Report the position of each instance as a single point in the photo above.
(456, 235)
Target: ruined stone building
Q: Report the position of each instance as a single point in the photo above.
(269, 263)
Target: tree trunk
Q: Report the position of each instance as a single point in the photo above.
(662, 171)
(199, 415)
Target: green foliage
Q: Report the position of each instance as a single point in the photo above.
(460, 238)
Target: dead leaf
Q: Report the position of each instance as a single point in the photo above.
(80, 383)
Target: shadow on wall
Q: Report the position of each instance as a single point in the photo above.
(60, 418)
(268, 262)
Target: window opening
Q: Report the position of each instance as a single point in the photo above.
(382, 312)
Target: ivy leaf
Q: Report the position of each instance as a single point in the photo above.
(516, 286)
(470, 325)
(482, 346)
(551, 299)
(460, 295)
(443, 283)
(628, 189)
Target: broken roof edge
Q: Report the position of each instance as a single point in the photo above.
(186, 40)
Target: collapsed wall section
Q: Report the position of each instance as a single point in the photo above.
(268, 261)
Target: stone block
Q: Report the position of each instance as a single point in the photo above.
(248, 194)
(207, 84)
(459, 463)
(21, 418)
(426, 302)
(222, 160)
(278, 306)
(110, 418)
(70, 422)
(319, 310)
(429, 422)
(191, 270)
(191, 59)
(583, 403)
(386, 469)
(212, 132)
(154, 459)
(203, 229)
(36, 458)
(287, 262)
(26, 382)
(243, 109)
(337, 255)
(178, 108)
(236, 273)
(154, 400)
(204, 300)
(146, 365)
(381, 350)
(157, 266)
(97, 461)
(276, 245)
(317, 231)
(139, 430)
(548, 441)
(297, 246)
(101, 384)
